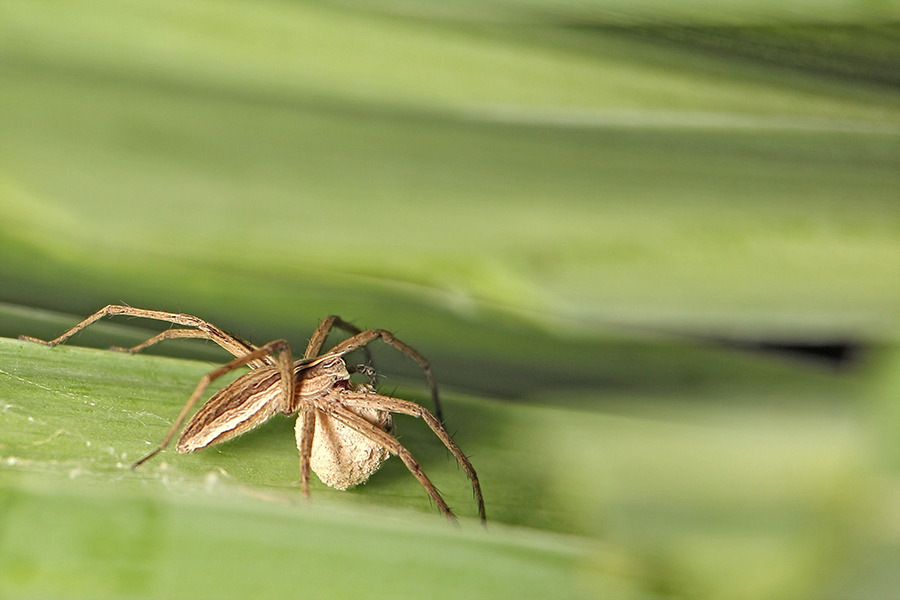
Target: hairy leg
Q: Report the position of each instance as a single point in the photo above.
(170, 334)
(406, 407)
(204, 329)
(379, 436)
(324, 328)
(304, 443)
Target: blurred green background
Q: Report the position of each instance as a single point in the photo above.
(651, 249)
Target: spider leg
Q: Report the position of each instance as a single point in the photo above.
(235, 346)
(379, 436)
(366, 337)
(285, 364)
(411, 408)
(324, 328)
(170, 334)
(308, 414)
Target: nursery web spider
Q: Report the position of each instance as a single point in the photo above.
(343, 429)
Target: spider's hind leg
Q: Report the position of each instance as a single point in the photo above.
(202, 329)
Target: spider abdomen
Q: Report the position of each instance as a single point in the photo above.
(237, 408)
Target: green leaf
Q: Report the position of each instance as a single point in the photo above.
(646, 496)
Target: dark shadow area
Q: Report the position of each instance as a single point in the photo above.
(865, 54)
(839, 354)
(677, 367)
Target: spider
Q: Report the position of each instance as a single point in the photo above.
(343, 430)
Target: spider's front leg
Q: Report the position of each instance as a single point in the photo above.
(354, 421)
(353, 400)
(361, 339)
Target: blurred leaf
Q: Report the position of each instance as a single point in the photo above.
(567, 174)
(590, 215)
